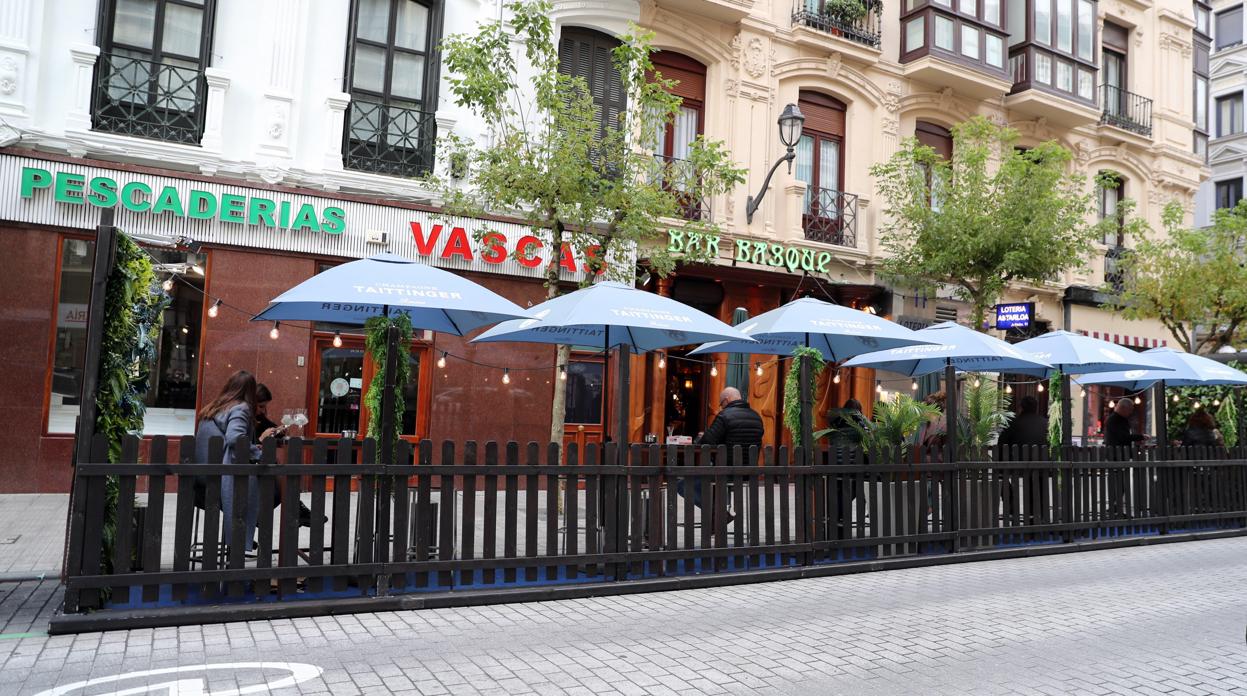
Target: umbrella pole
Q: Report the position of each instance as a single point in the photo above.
(1067, 415)
(1162, 418)
(950, 410)
(622, 397)
(387, 392)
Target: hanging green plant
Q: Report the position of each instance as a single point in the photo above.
(133, 305)
(792, 387)
(1227, 421)
(1055, 436)
(375, 342)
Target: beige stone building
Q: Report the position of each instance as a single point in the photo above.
(1113, 81)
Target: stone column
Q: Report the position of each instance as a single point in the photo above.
(214, 109)
(335, 122)
(278, 116)
(16, 83)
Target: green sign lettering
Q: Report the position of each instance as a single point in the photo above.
(137, 196)
(755, 252)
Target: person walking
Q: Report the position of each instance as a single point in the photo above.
(735, 424)
(230, 416)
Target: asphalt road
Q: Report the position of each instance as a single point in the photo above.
(1162, 619)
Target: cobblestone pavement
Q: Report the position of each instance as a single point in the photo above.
(1163, 619)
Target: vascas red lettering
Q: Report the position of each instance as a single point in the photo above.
(457, 245)
(424, 246)
(525, 250)
(593, 257)
(495, 248)
(567, 261)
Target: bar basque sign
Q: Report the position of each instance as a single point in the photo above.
(758, 253)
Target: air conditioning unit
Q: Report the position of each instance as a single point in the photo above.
(377, 237)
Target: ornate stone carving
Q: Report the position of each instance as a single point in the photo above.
(947, 101)
(736, 49)
(1082, 153)
(755, 58)
(8, 75)
(732, 87)
(834, 61)
(276, 123)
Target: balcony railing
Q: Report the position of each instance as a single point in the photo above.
(864, 28)
(1114, 274)
(1126, 110)
(679, 177)
(389, 139)
(143, 98)
(830, 217)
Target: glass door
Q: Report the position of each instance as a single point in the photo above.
(1114, 83)
(338, 387)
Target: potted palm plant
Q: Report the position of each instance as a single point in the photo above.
(894, 428)
(844, 13)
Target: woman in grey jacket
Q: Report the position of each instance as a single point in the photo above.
(230, 416)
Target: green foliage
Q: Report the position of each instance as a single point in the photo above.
(895, 427)
(376, 343)
(845, 10)
(547, 161)
(792, 387)
(999, 215)
(133, 305)
(1190, 278)
(1227, 421)
(1054, 413)
(986, 413)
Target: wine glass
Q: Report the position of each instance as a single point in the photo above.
(287, 417)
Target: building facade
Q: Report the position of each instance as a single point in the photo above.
(283, 137)
(1221, 25)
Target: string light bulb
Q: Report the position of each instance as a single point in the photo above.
(879, 387)
(214, 310)
(1175, 398)
(1008, 388)
(275, 332)
(1112, 405)
(168, 284)
(337, 339)
(1082, 392)
(1196, 404)
(1040, 387)
(1137, 401)
(506, 375)
(836, 379)
(441, 362)
(913, 385)
(562, 373)
(976, 382)
(758, 369)
(1216, 402)
(662, 362)
(714, 370)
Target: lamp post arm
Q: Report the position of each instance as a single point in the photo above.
(752, 203)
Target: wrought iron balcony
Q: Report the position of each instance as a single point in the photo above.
(864, 27)
(679, 177)
(1114, 276)
(1126, 110)
(388, 139)
(143, 98)
(830, 217)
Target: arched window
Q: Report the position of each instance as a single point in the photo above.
(940, 139)
(586, 53)
(671, 151)
(820, 164)
(1110, 195)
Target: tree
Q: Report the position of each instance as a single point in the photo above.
(1193, 281)
(580, 183)
(991, 215)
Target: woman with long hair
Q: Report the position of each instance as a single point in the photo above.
(230, 416)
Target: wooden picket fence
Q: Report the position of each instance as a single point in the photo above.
(464, 521)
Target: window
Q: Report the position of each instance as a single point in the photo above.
(1110, 195)
(820, 165)
(1043, 22)
(1113, 72)
(1203, 20)
(1230, 28)
(995, 51)
(1201, 103)
(991, 12)
(149, 79)
(584, 390)
(945, 36)
(1086, 19)
(969, 42)
(1065, 26)
(1200, 144)
(393, 84)
(674, 141)
(1229, 193)
(1229, 115)
(341, 376)
(586, 53)
(940, 139)
(174, 378)
(915, 33)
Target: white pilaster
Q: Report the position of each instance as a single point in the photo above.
(17, 85)
(214, 112)
(279, 112)
(335, 121)
(84, 56)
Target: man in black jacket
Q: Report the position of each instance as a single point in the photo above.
(736, 424)
(1028, 428)
(1120, 441)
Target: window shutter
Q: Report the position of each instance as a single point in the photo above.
(587, 54)
(689, 75)
(936, 137)
(823, 114)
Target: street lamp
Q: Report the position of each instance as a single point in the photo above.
(790, 123)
